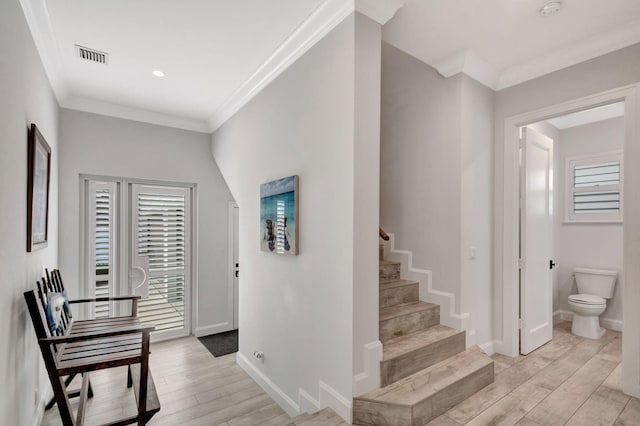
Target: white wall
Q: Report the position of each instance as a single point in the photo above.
(25, 98)
(606, 72)
(99, 145)
(436, 177)
(592, 245)
(300, 310)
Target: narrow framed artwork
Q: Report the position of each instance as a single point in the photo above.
(38, 179)
(279, 216)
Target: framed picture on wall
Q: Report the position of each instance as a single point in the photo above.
(279, 216)
(39, 176)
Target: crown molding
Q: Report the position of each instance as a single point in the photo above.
(380, 11)
(573, 54)
(320, 22)
(36, 14)
(470, 64)
(325, 18)
(94, 106)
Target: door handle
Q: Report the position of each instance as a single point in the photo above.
(552, 264)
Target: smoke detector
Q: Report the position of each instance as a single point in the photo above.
(91, 55)
(550, 8)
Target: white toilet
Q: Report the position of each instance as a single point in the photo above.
(595, 286)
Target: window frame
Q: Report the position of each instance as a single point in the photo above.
(569, 190)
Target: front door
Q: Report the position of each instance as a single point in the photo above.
(160, 250)
(139, 239)
(536, 214)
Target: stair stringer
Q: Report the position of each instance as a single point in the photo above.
(446, 300)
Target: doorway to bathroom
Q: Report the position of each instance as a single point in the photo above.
(508, 231)
(571, 185)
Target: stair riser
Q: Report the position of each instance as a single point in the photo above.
(414, 361)
(398, 295)
(389, 272)
(375, 413)
(405, 324)
(452, 395)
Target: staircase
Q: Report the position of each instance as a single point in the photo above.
(425, 369)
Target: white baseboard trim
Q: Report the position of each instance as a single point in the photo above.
(307, 403)
(277, 394)
(608, 323)
(446, 300)
(213, 329)
(611, 324)
(500, 348)
(489, 347)
(331, 398)
(470, 338)
(369, 379)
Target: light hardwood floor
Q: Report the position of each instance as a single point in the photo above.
(570, 380)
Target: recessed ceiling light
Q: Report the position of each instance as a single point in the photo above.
(550, 8)
(158, 73)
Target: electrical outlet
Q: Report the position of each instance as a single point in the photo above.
(259, 355)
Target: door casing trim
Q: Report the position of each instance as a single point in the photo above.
(510, 238)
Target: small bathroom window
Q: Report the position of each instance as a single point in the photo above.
(593, 189)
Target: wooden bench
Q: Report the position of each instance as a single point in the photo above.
(81, 347)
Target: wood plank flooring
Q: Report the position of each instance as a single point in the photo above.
(571, 380)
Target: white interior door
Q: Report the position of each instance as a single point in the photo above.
(536, 222)
(160, 262)
(236, 268)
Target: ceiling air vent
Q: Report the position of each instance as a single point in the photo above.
(91, 55)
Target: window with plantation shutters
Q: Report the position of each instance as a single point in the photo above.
(102, 196)
(161, 232)
(594, 188)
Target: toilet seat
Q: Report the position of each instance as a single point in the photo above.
(587, 299)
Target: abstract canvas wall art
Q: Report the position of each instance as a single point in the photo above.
(279, 216)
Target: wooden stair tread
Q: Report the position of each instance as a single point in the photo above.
(387, 285)
(405, 309)
(404, 344)
(388, 262)
(428, 382)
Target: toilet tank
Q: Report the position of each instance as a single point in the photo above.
(599, 282)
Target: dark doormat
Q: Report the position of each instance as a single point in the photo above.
(222, 343)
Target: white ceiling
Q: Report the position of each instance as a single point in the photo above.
(206, 48)
(217, 54)
(506, 42)
(588, 116)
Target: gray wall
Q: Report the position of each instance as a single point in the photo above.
(420, 168)
(616, 69)
(99, 145)
(587, 245)
(299, 310)
(368, 39)
(475, 227)
(25, 97)
(436, 179)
